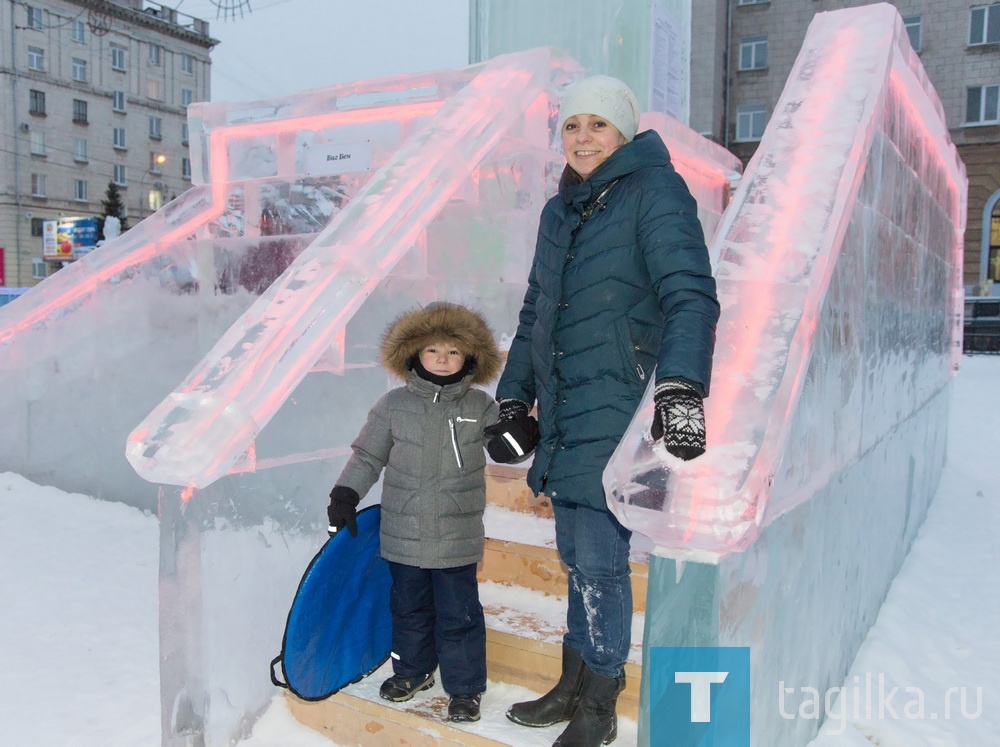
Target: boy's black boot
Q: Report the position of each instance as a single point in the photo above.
(464, 708)
(399, 689)
(559, 703)
(595, 722)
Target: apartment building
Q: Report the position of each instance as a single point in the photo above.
(733, 94)
(91, 92)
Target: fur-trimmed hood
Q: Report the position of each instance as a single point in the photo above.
(448, 322)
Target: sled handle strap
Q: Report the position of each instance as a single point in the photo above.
(274, 677)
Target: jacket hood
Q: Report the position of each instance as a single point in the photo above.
(448, 322)
(647, 149)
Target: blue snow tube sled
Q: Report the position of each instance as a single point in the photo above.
(339, 628)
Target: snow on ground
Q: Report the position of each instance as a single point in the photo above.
(936, 637)
(78, 580)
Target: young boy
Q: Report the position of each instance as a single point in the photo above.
(428, 435)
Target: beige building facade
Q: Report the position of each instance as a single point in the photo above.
(91, 92)
(734, 95)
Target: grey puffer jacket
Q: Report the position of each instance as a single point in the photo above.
(429, 439)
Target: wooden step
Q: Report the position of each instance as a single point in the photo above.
(506, 487)
(357, 716)
(539, 569)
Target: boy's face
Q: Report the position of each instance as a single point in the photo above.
(442, 358)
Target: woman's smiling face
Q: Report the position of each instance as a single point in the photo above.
(588, 141)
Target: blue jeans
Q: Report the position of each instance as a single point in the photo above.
(595, 548)
(437, 619)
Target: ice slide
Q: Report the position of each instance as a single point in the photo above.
(838, 263)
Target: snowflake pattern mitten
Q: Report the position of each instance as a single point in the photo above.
(679, 418)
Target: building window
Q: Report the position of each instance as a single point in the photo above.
(38, 185)
(34, 17)
(119, 138)
(80, 150)
(118, 101)
(753, 52)
(913, 28)
(36, 102)
(79, 70)
(36, 59)
(155, 51)
(156, 160)
(80, 190)
(156, 128)
(37, 229)
(154, 90)
(37, 143)
(186, 168)
(119, 177)
(185, 134)
(981, 105)
(154, 199)
(79, 32)
(79, 111)
(187, 64)
(39, 269)
(118, 59)
(984, 25)
(750, 122)
(187, 96)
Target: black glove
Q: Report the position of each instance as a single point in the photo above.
(343, 509)
(679, 418)
(515, 435)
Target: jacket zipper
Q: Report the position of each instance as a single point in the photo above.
(454, 442)
(641, 371)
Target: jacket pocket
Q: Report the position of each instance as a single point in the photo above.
(634, 369)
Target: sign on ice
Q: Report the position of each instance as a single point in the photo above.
(338, 158)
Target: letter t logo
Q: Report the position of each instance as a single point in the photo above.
(701, 692)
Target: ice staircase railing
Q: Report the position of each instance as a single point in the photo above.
(206, 428)
(222, 141)
(796, 211)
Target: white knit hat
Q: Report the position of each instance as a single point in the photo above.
(602, 96)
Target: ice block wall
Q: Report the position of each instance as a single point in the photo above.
(233, 334)
(839, 269)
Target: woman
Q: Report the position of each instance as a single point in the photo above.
(620, 286)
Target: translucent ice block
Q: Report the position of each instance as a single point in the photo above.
(838, 264)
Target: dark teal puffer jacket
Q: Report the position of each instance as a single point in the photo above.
(628, 290)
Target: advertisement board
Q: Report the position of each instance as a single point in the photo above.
(68, 238)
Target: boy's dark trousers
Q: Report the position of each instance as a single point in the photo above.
(437, 618)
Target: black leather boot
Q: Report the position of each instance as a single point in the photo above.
(595, 721)
(559, 703)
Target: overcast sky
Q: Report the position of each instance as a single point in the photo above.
(282, 46)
